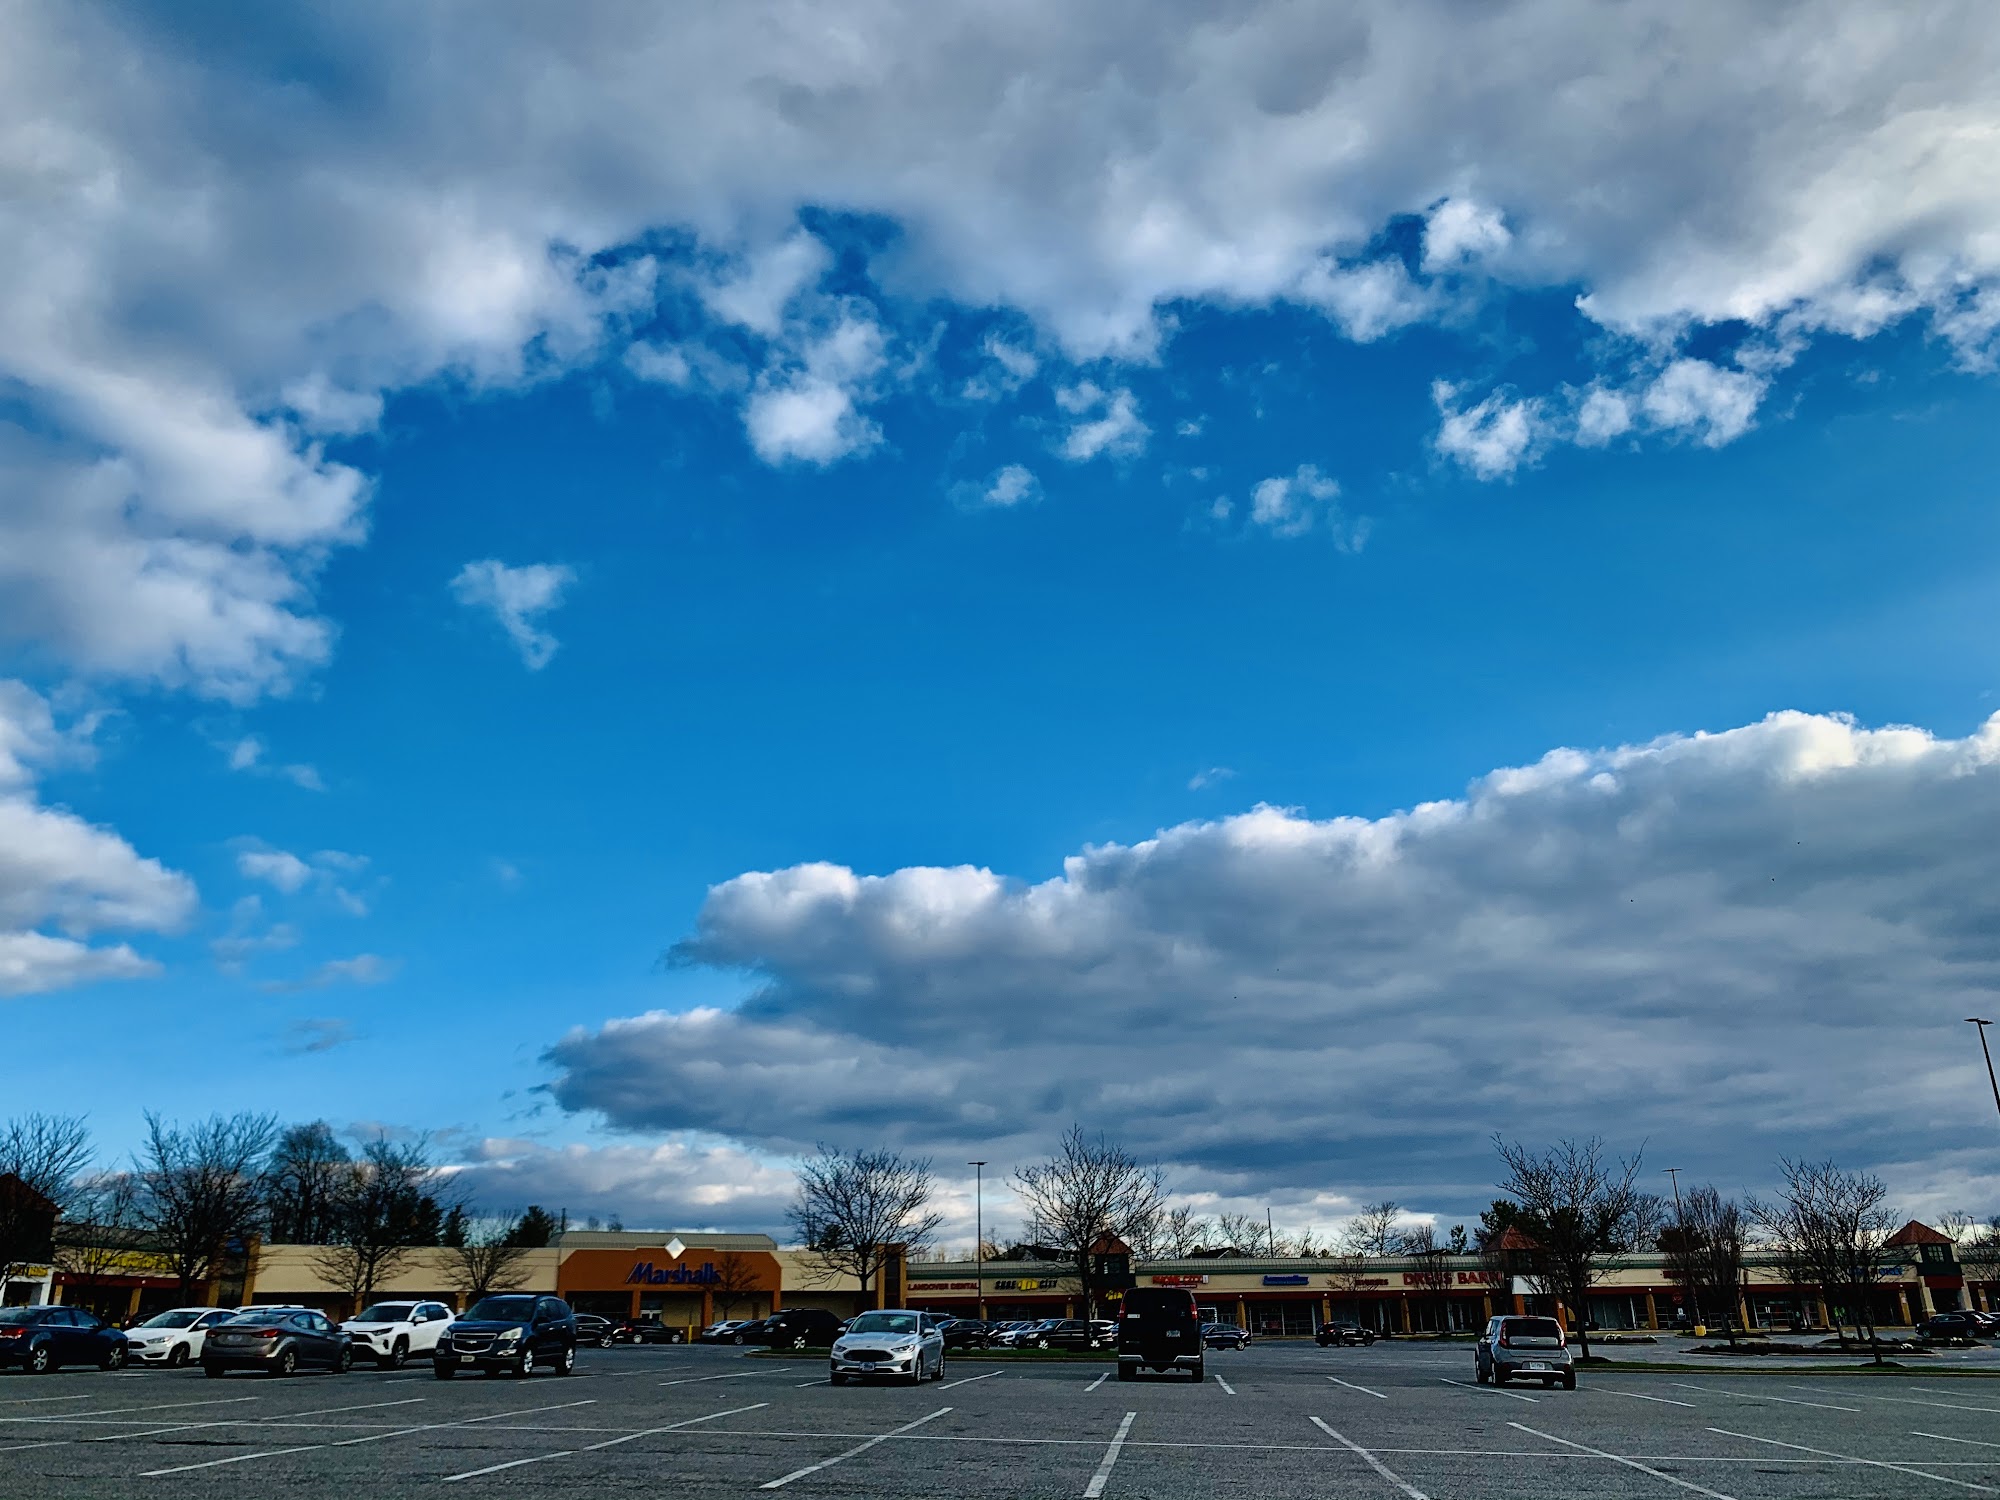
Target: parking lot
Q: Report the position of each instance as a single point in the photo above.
(1278, 1420)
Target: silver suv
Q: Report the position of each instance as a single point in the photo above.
(1528, 1348)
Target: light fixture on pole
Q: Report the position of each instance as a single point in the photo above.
(979, 1237)
(1982, 1025)
(1687, 1259)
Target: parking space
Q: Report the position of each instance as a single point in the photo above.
(1281, 1420)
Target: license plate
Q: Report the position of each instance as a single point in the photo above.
(465, 1359)
(1173, 1333)
(1538, 1367)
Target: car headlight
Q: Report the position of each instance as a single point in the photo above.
(511, 1336)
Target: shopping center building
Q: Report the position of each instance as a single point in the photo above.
(691, 1278)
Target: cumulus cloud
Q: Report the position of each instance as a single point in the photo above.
(249, 753)
(1104, 422)
(1493, 437)
(1749, 942)
(1009, 486)
(363, 968)
(1713, 404)
(1293, 504)
(680, 1183)
(1213, 776)
(59, 872)
(275, 867)
(516, 598)
(216, 265)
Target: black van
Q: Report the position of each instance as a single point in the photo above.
(1158, 1329)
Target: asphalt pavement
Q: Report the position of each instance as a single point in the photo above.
(1398, 1421)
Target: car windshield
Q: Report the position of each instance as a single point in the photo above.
(502, 1309)
(884, 1322)
(1534, 1328)
(387, 1312)
(259, 1315)
(183, 1318)
(18, 1314)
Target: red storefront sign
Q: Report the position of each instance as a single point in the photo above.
(1180, 1281)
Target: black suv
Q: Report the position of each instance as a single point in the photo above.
(965, 1333)
(517, 1332)
(1069, 1333)
(1159, 1329)
(800, 1328)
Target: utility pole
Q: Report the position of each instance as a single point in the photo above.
(1687, 1257)
(979, 1235)
(1270, 1234)
(1982, 1025)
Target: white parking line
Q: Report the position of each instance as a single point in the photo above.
(1097, 1382)
(804, 1383)
(1371, 1460)
(1940, 1405)
(1630, 1463)
(1969, 1442)
(1873, 1463)
(1361, 1388)
(1487, 1390)
(41, 1400)
(970, 1378)
(542, 1458)
(113, 1411)
(241, 1458)
(858, 1448)
(373, 1437)
(1767, 1396)
(1225, 1385)
(1663, 1400)
(704, 1379)
(1103, 1475)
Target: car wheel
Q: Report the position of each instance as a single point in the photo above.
(604, 1341)
(736, 1338)
(917, 1372)
(1126, 1372)
(1569, 1382)
(1041, 1343)
(288, 1363)
(177, 1356)
(346, 1360)
(1479, 1374)
(398, 1356)
(40, 1360)
(213, 1372)
(567, 1364)
(525, 1365)
(939, 1375)
(1499, 1376)
(798, 1341)
(442, 1370)
(114, 1358)
(1200, 1372)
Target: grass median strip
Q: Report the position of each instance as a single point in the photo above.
(1408, 1489)
(630, 1437)
(855, 1451)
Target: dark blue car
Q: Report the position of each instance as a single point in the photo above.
(39, 1339)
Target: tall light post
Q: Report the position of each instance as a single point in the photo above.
(1982, 1024)
(1687, 1256)
(979, 1236)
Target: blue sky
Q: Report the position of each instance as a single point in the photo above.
(887, 522)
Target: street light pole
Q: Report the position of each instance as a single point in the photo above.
(1687, 1259)
(979, 1235)
(1982, 1025)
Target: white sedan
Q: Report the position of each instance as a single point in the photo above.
(391, 1332)
(173, 1338)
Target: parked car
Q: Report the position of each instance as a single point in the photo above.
(751, 1332)
(1159, 1329)
(1343, 1333)
(40, 1339)
(517, 1332)
(277, 1341)
(1022, 1335)
(1525, 1348)
(1951, 1325)
(390, 1332)
(1989, 1321)
(800, 1328)
(1224, 1336)
(173, 1338)
(724, 1332)
(1072, 1333)
(965, 1333)
(897, 1342)
(591, 1329)
(645, 1330)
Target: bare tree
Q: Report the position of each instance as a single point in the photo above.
(1430, 1270)
(487, 1258)
(1977, 1246)
(304, 1186)
(853, 1208)
(1183, 1231)
(384, 1208)
(1373, 1230)
(1583, 1212)
(44, 1154)
(1715, 1231)
(200, 1188)
(1832, 1227)
(1239, 1231)
(735, 1280)
(99, 1237)
(1091, 1187)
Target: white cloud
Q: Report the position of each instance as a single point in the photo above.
(1460, 231)
(274, 867)
(1714, 404)
(249, 753)
(1291, 505)
(809, 410)
(517, 598)
(1106, 422)
(663, 364)
(680, 1183)
(1493, 437)
(1600, 936)
(1213, 776)
(363, 968)
(205, 278)
(57, 871)
(1603, 416)
(1009, 486)
(1012, 368)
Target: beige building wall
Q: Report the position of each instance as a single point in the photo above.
(290, 1273)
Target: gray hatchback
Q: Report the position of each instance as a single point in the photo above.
(1524, 1349)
